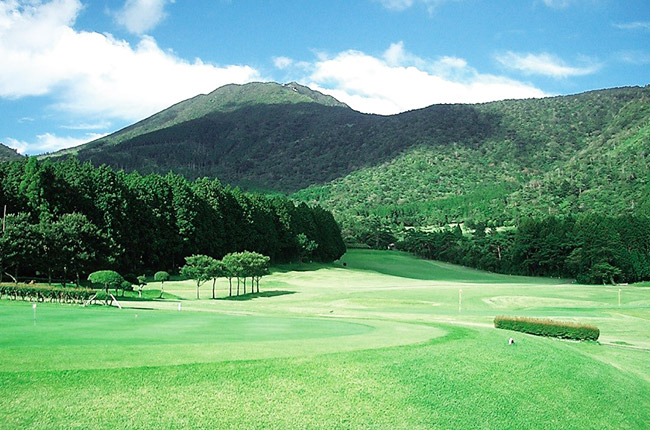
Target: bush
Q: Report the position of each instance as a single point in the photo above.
(543, 327)
(42, 293)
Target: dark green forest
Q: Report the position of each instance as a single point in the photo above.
(560, 156)
(590, 248)
(67, 219)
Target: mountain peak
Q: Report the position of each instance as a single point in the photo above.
(234, 96)
(227, 98)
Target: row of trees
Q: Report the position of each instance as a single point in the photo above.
(67, 219)
(200, 268)
(237, 265)
(591, 248)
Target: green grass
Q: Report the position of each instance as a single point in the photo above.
(377, 344)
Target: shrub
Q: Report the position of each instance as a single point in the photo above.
(42, 293)
(544, 327)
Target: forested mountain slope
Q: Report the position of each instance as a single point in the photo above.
(228, 98)
(556, 156)
(495, 161)
(8, 154)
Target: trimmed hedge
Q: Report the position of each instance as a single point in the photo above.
(544, 327)
(42, 293)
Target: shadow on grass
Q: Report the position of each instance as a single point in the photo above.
(148, 296)
(251, 296)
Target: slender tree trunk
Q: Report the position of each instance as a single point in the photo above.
(237, 285)
(230, 290)
(197, 290)
(49, 276)
(162, 289)
(214, 282)
(244, 285)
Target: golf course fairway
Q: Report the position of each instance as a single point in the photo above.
(377, 340)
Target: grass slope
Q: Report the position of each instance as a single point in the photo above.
(350, 348)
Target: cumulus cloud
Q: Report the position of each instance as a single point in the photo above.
(544, 64)
(48, 142)
(96, 74)
(141, 16)
(399, 81)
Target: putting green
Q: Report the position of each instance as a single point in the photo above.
(98, 337)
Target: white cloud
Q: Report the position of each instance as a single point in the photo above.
(400, 5)
(400, 81)
(557, 4)
(102, 125)
(49, 143)
(141, 16)
(396, 4)
(637, 58)
(636, 25)
(544, 64)
(282, 62)
(95, 74)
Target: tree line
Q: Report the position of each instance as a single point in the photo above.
(590, 248)
(67, 219)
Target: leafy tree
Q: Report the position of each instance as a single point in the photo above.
(200, 268)
(604, 273)
(259, 267)
(306, 246)
(19, 243)
(216, 270)
(109, 279)
(142, 282)
(162, 277)
(78, 242)
(234, 267)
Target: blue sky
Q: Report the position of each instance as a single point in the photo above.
(74, 70)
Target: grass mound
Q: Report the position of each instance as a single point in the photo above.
(404, 265)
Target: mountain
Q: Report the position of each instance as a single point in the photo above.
(556, 156)
(496, 161)
(228, 98)
(8, 154)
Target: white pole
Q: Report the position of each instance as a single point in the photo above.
(179, 306)
(34, 308)
(460, 300)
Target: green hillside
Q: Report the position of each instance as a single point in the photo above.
(494, 162)
(8, 154)
(228, 98)
(558, 156)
